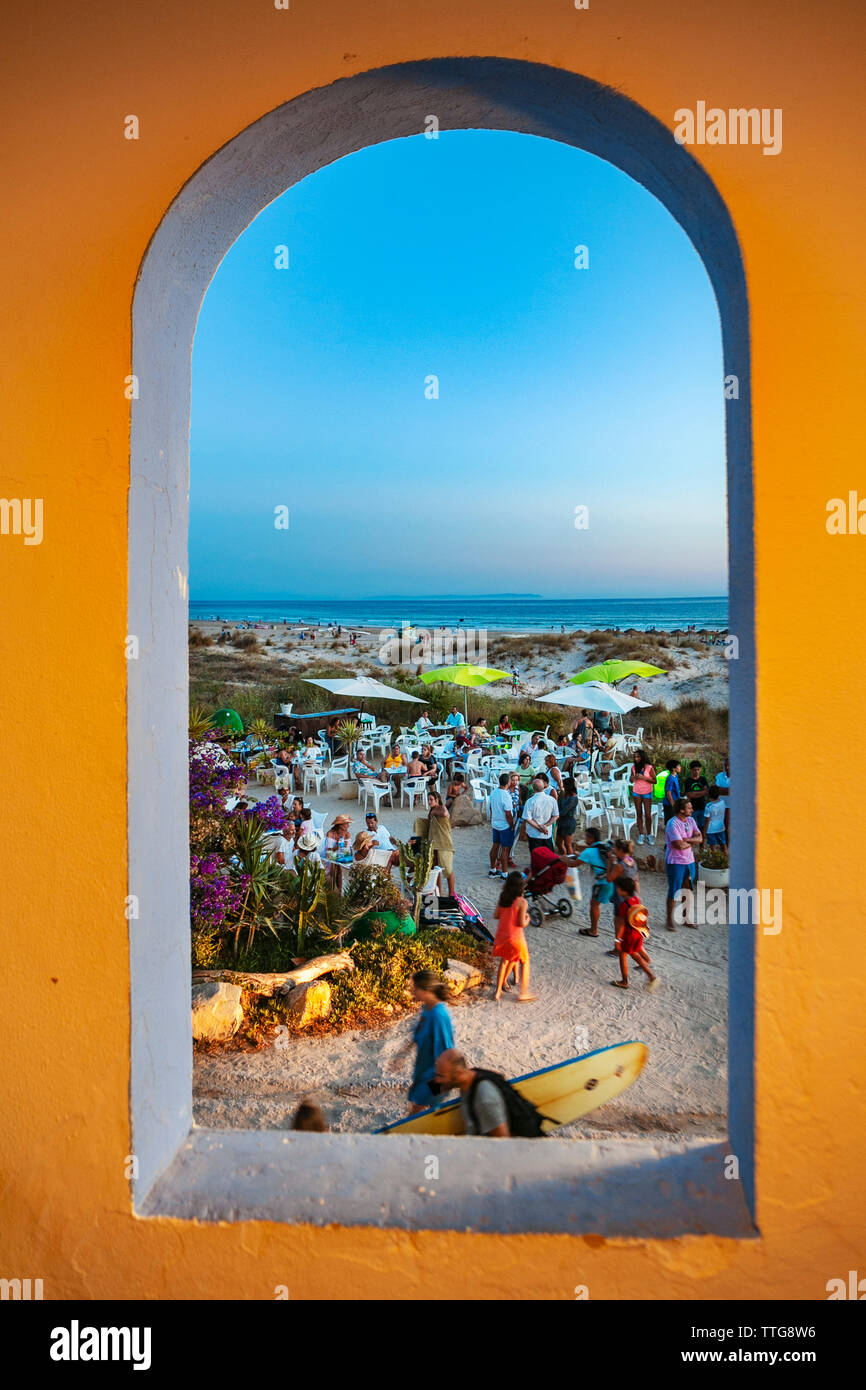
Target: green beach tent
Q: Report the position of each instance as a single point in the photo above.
(228, 719)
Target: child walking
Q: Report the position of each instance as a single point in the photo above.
(631, 932)
(512, 915)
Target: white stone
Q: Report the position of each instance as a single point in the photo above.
(216, 1011)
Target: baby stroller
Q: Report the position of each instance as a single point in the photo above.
(545, 887)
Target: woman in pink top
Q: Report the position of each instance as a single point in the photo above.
(642, 778)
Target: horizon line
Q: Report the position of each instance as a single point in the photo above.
(461, 598)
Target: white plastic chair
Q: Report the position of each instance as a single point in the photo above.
(338, 770)
(414, 789)
(367, 788)
(314, 776)
(376, 858)
(318, 818)
(434, 882)
(479, 794)
(622, 818)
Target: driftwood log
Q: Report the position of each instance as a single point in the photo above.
(282, 983)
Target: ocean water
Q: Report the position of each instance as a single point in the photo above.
(512, 613)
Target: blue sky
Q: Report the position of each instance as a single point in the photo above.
(558, 387)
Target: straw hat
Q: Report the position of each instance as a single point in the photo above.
(341, 820)
(308, 842)
(638, 917)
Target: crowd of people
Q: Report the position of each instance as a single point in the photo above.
(536, 802)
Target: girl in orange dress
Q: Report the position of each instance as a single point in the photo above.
(512, 915)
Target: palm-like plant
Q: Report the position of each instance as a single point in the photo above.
(415, 866)
(261, 731)
(266, 882)
(348, 732)
(310, 886)
(200, 722)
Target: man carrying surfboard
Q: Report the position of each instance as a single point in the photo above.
(490, 1106)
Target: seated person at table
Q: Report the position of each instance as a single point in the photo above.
(306, 826)
(332, 738)
(504, 725)
(462, 739)
(415, 767)
(530, 745)
(393, 760)
(480, 731)
(281, 846)
(431, 767)
(424, 723)
(292, 805)
(364, 842)
(307, 847)
(382, 837)
(361, 767)
(311, 750)
(455, 718)
(284, 757)
(337, 838)
(606, 757)
(361, 845)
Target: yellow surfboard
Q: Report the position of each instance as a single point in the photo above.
(564, 1091)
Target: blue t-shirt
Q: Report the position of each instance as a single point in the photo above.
(672, 785)
(715, 821)
(454, 720)
(596, 861)
(433, 1035)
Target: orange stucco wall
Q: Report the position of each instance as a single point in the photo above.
(80, 204)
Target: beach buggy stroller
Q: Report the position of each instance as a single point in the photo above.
(545, 887)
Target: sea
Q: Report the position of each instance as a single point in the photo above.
(516, 613)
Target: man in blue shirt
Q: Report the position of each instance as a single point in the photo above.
(455, 718)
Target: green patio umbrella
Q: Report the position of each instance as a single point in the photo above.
(464, 674)
(228, 719)
(612, 671)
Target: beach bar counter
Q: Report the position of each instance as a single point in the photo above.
(309, 724)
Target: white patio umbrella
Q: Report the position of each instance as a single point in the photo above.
(364, 688)
(595, 695)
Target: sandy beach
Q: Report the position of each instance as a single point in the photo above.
(695, 670)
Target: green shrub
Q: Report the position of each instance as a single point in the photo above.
(376, 991)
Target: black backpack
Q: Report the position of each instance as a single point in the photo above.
(524, 1121)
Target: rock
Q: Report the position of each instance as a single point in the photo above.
(460, 975)
(466, 811)
(216, 1011)
(309, 1002)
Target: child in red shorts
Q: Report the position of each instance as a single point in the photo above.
(631, 918)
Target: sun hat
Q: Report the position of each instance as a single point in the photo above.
(308, 842)
(638, 917)
(341, 820)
